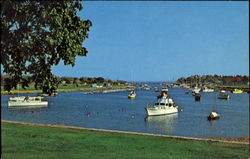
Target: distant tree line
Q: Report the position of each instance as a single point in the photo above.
(215, 80)
(72, 80)
(88, 80)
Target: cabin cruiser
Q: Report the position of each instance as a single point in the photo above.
(164, 105)
(223, 95)
(22, 101)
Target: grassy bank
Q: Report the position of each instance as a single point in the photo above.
(29, 142)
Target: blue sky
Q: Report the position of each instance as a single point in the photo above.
(163, 40)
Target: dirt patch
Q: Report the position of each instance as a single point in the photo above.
(243, 139)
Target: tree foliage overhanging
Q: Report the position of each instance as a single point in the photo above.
(35, 35)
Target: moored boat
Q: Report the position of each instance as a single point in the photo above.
(197, 96)
(164, 91)
(213, 116)
(48, 95)
(132, 94)
(205, 89)
(27, 101)
(223, 95)
(156, 89)
(195, 90)
(236, 91)
(165, 105)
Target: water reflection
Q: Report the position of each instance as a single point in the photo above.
(162, 124)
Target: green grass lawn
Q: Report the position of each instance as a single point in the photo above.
(37, 142)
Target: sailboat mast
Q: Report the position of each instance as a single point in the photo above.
(214, 105)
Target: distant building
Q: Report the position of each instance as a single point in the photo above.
(97, 85)
(63, 82)
(107, 85)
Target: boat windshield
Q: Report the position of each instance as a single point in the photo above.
(167, 104)
(159, 103)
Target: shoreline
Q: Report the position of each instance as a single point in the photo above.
(59, 90)
(245, 90)
(243, 140)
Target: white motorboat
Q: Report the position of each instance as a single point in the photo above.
(223, 95)
(27, 101)
(213, 116)
(195, 90)
(165, 105)
(207, 90)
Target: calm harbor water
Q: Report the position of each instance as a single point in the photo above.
(115, 111)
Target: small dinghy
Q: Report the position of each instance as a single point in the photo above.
(213, 116)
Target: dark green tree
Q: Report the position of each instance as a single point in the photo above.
(100, 80)
(35, 35)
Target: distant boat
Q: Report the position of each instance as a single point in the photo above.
(27, 101)
(164, 91)
(132, 94)
(213, 116)
(47, 95)
(44, 95)
(223, 95)
(207, 90)
(237, 91)
(156, 89)
(197, 96)
(164, 105)
(186, 88)
(195, 90)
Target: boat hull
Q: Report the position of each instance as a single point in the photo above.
(237, 92)
(27, 104)
(208, 91)
(161, 111)
(213, 118)
(224, 97)
(197, 97)
(131, 96)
